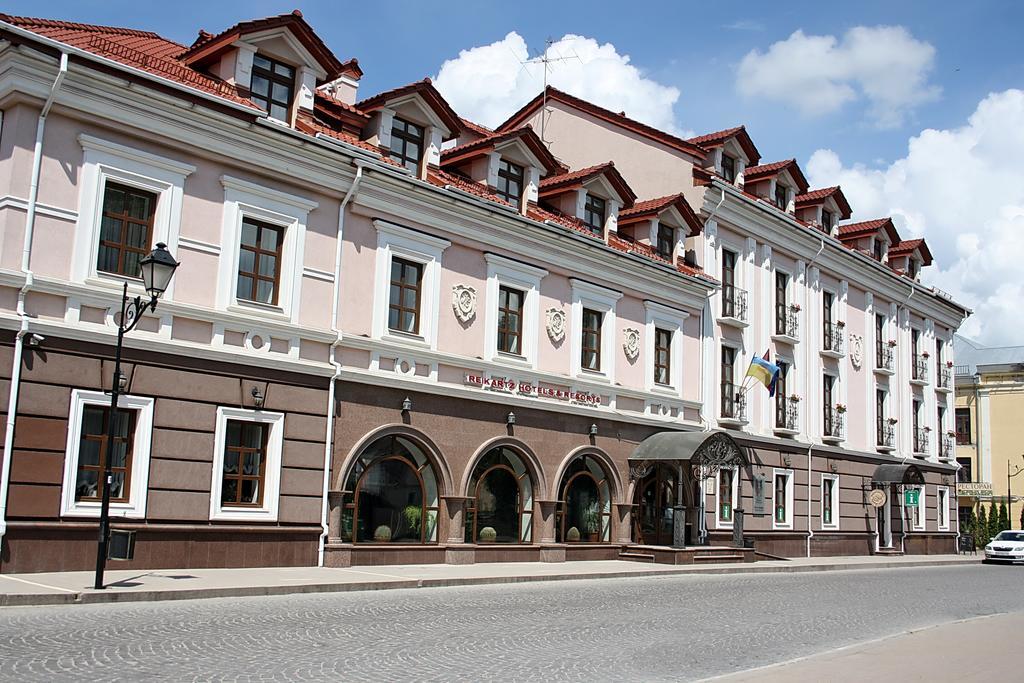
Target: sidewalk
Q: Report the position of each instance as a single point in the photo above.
(185, 584)
(978, 649)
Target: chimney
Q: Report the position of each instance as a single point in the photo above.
(346, 86)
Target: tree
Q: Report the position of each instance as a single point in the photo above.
(981, 534)
(1004, 517)
(1022, 518)
(993, 521)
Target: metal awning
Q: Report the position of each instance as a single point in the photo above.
(706, 452)
(897, 473)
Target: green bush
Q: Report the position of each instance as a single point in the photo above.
(981, 527)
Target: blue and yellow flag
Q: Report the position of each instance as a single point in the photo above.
(765, 372)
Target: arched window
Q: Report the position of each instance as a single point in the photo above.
(501, 499)
(390, 495)
(584, 509)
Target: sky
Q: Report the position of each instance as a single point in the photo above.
(915, 108)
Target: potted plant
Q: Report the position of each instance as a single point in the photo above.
(795, 308)
(927, 429)
(382, 533)
(572, 535)
(840, 408)
(488, 535)
(892, 343)
(794, 399)
(840, 323)
(949, 364)
(892, 420)
(950, 433)
(413, 514)
(925, 354)
(592, 522)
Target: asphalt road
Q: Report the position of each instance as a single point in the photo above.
(644, 629)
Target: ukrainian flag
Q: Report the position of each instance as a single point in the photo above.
(765, 372)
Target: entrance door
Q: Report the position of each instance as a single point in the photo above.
(655, 496)
(883, 515)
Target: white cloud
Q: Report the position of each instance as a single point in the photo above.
(884, 65)
(488, 83)
(963, 190)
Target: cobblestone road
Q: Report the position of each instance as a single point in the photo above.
(647, 629)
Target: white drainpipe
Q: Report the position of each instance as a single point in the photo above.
(329, 440)
(807, 306)
(26, 254)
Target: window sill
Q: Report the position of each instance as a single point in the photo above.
(832, 353)
(593, 376)
(885, 449)
(512, 359)
(943, 390)
(405, 339)
(830, 527)
(884, 371)
(733, 421)
(731, 321)
(276, 313)
(243, 515)
(115, 283)
(786, 339)
(666, 390)
(782, 527)
(117, 510)
(832, 439)
(786, 431)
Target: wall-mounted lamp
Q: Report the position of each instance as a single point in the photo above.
(593, 430)
(257, 397)
(510, 419)
(406, 405)
(35, 339)
(122, 381)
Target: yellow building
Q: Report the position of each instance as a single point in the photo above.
(990, 425)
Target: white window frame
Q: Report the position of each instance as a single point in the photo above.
(834, 478)
(504, 272)
(719, 522)
(396, 240)
(922, 509)
(603, 300)
(103, 162)
(942, 507)
(272, 470)
(135, 508)
(776, 473)
(671, 319)
(243, 199)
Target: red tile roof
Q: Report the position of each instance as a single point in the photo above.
(619, 119)
(490, 140)
(426, 90)
(475, 127)
(307, 124)
(818, 196)
(774, 168)
(851, 232)
(908, 246)
(443, 178)
(139, 49)
(652, 207)
(718, 138)
(576, 179)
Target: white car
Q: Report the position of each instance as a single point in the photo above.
(1008, 546)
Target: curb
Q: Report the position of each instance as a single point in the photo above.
(97, 597)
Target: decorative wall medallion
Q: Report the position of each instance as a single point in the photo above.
(464, 302)
(556, 324)
(631, 345)
(856, 350)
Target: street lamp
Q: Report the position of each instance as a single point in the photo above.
(1009, 494)
(156, 270)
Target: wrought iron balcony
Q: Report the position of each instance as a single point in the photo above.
(734, 303)
(734, 403)
(832, 339)
(883, 357)
(834, 424)
(787, 322)
(919, 369)
(945, 378)
(886, 434)
(921, 435)
(787, 414)
(947, 448)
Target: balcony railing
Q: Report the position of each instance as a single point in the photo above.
(734, 404)
(886, 432)
(946, 447)
(919, 369)
(734, 303)
(945, 378)
(834, 423)
(832, 337)
(787, 413)
(921, 439)
(787, 321)
(883, 356)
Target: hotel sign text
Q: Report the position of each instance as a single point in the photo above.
(509, 386)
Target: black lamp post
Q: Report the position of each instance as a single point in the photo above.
(156, 270)
(1009, 493)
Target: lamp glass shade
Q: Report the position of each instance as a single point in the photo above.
(156, 270)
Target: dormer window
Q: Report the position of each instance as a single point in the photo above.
(594, 212)
(729, 168)
(781, 196)
(510, 181)
(407, 144)
(913, 268)
(666, 241)
(827, 220)
(879, 249)
(273, 86)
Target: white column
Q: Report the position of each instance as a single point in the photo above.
(901, 388)
(843, 393)
(763, 301)
(983, 437)
(870, 378)
(812, 343)
(307, 84)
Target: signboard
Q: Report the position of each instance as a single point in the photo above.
(911, 497)
(877, 498)
(758, 483)
(509, 386)
(975, 489)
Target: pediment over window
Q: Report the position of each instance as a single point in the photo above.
(419, 103)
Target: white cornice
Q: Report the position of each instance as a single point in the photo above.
(301, 203)
(90, 142)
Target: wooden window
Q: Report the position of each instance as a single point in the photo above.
(92, 454)
(729, 393)
(943, 508)
(827, 493)
(781, 303)
(781, 504)
(781, 196)
(880, 417)
(662, 356)
(963, 426)
(827, 384)
(259, 262)
(725, 494)
(591, 347)
(728, 168)
(781, 398)
(826, 219)
(245, 463)
(126, 229)
(666, 241)
(827, 304)
(940, 348)
(404, 301)
(510, 320)
(879, 249)
(913, 267)
(966, 471)
(273, 86)
(593, 213)
(407, 144)
(510, 181)
(880, 340)
(728, 283)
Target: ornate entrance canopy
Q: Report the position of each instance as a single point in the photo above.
(707, 452)
(897, 473)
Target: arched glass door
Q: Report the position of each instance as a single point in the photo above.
(654, 498)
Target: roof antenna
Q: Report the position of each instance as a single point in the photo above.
(547, 61)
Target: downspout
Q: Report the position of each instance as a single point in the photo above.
(26, 254)
(810, 447)
(700, 378)
(335, 298)
(903, 506)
